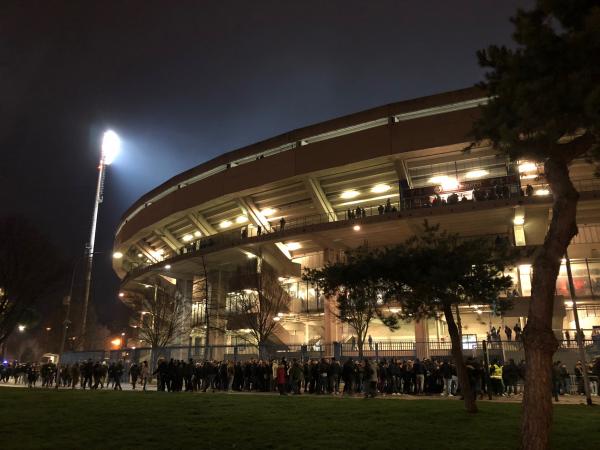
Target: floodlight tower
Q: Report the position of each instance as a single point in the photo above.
(111, 145)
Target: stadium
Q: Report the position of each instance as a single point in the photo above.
(304, 198)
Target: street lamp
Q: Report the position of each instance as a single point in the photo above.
(111, 145)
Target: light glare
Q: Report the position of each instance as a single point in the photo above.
(293, 246)
(380, 188)
(527, 167)
(349, 194)
(478, 173)
(111, 146)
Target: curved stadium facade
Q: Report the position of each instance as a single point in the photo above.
(367, 178)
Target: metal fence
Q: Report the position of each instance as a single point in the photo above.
(501, 350)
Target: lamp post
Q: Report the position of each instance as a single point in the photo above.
(111, 145)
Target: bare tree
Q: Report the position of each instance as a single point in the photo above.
(30, 270)
(162, 321)
(258, 299)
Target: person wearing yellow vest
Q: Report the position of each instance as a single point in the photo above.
(496, 378)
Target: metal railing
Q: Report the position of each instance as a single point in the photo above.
(236, 237)
(344, 350)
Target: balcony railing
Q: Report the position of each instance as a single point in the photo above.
(414, 201)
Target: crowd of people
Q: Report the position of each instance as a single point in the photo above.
(367, 377)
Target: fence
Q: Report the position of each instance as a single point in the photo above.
(501, 350)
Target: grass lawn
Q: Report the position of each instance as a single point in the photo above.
(107, 419)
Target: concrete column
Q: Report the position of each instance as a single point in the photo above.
(306, 333)
(421, 338)
(184, 287)
(217, 284)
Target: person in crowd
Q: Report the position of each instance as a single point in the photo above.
(446, 372)
(144, 374)
(296, 377)
(75, 374)
(372, 376)
(134, 373)
(281, 381)
(556, 380)
(565, 380)
(496, 378)
(510, 373)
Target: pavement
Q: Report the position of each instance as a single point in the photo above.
(563, 399)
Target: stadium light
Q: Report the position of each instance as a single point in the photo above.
(111, 145)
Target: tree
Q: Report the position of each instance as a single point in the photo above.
(163, 320)
(258, 300)
(440, 271)
(358, 291)
(30, 271)
(545, 105)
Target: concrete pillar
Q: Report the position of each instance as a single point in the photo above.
(306, 333)
(184, 287)
(421, 339)
(217, 284)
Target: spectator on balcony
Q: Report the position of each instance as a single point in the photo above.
(453, 198)
(370, 341)
(479, 195)
(529, 190)
(258, 230)
(508, 333)
(388, 206)
(568, 338)
(494, 334)
(244, 233)
(498, 190)
(281, 224)
(380, 209)
(517, 330)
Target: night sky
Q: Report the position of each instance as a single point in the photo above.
(183, 81)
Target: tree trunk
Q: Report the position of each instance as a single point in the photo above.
(538, 339)
(360, 342)
(461, 369)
